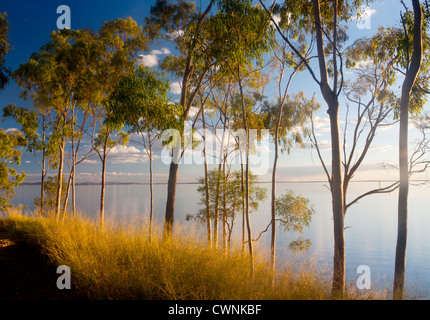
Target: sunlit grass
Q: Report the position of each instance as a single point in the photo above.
(121, 262)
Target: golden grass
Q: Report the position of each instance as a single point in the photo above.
(122, 263)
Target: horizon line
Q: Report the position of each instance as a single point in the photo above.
(195, 182)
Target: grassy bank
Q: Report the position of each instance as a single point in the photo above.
(121, 263)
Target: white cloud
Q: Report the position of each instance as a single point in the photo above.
(324, 145)
(90, 161)
(175, 87)
(161, 51)
(193, 111)
(277, 19)
(11, 130)
(382, 148)
(321, 125)
(128, 174)
(127, 154)
(149, 60)
(176, 34)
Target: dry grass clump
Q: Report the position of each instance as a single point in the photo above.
(123, 263)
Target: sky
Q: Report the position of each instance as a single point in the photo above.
(31, 23)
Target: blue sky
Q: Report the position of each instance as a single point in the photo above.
(31, 23)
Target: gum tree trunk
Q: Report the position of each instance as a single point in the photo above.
(402, 227)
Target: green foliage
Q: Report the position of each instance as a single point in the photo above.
(294, 115)
(4, 49)
(241, 33)
(231, 189)
(252, 102)
(10, 155)
(297, 22)
(140, 101)
(50, 195)
(294, 210)
(167, 19)
(295, 213)
(104, 139)
(28, 119)
(391, 48)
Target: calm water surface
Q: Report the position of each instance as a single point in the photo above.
(370, 235)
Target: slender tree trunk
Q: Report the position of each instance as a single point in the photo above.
(74, 194)
(103, 182)
(336, 184)
(402, 226)
(69, 181)
(216, 209)
(248, 222)
(242, 191)
(72, 174)
(338, 286)
(75, 151)
(224, 209)
(66, 194)
(67, 191)
(207, 199)
(217, 193)
(273, 210)
(59, 182)
(282, 99)
(42, 182)
(402, 223)
(151, 189)
(102, 193)
(71, 185)
(42, 185)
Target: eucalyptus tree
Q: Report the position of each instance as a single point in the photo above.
(403, 48)
(216, 101)
(182, 24)
(35, 119)
(117, 45)
(82, 122)
(372, 103)
(320, 21)
(205, 101)
(285, 118)
(56, 81)
(229, 198)
(282, 117)
(244, 35)
(30, 121)
(76, 71)
(48, 76)
(140, 102)
(412, 70)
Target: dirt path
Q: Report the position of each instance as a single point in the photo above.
(25, 273)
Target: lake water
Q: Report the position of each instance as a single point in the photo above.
(370, 236)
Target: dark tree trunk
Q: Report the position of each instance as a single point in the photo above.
(170, 203)
(402, 227)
